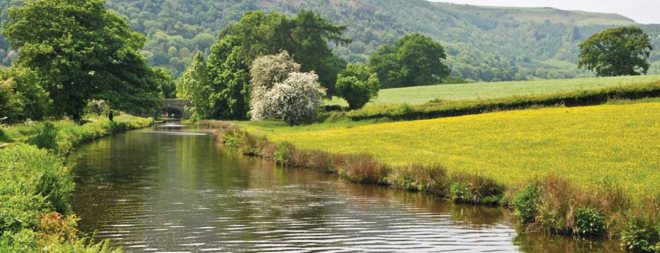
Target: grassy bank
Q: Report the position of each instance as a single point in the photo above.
(35, 184)
(449, 108)
(490, 90)
(584, 171)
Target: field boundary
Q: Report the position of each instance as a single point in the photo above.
(440, 109)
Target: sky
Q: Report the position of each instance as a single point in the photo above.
(642, 11)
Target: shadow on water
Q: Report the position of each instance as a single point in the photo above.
(159, 189)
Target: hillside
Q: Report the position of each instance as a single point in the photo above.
(483, 43)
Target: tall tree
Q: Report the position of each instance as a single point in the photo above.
(82, 51)
(413, 60)
(194, 85)
(616, 52)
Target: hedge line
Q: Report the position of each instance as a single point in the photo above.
(439, 108)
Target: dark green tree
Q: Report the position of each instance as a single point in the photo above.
(305, 37)
(616, 52)
(229, 79)
(413, 60)
(357, 84)
(82, 51)
(166, 80)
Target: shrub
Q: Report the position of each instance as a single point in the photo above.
(44, 135)
(265, 72)
(357, 85)
(418, 177)
(588, 222)
(641, 234)
(296, 100)
(283, 153)
(525, 202)
(476, 189)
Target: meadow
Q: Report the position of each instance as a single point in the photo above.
(489, 90)
(587, 145)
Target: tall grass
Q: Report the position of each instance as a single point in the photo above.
(35, 185)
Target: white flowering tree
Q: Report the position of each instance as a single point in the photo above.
(296, 100)
(265, 72)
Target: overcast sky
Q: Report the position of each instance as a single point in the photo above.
(642, 11)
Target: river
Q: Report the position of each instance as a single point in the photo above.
(154, 190)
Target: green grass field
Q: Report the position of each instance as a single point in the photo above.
(423, 94)
(615, 142)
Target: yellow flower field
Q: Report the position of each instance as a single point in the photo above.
(618, 143)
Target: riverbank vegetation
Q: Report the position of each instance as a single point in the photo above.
(584, 175)
(35, 184)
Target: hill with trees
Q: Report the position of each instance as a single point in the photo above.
(481, 43)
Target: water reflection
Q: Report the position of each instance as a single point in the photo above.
(151, 191)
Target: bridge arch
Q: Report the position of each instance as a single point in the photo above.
(176, 106)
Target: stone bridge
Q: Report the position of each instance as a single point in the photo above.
(175, 106)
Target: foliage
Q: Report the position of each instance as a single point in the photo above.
(641, 234)
(166, 81)
(63, 136)
(296, 100)
(357, 84)
(265, 72)
(491, 44)
(193, 85)
(306, 36)
(616, 52)
(413, 60)
(589, 222)
(101, 62)
(34, 192)
(525, 202)
(229, 78)
(21, 96)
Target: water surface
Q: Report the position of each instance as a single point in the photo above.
(156, 190)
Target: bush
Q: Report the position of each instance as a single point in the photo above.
(525, 202)
(641, 234)
(588, 222)
(357, 85)
(265, 72)
(476, 189)
(296, 100)
(418, 177)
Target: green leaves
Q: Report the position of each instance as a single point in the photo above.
(413, 60)
(357, 84)
(64, 41)
(616, 52)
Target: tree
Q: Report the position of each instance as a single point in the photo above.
(81, 51)
(616, 52)
(306, 37)
(194, 85)
(413, 60)
(357, 84)
(166, 81)
(229, 79)
(296, 100)
(265, 72)
(22, 97)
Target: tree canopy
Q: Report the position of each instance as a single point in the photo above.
(616, 52)
(81, 51)
(357, 84)
(413, 60)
